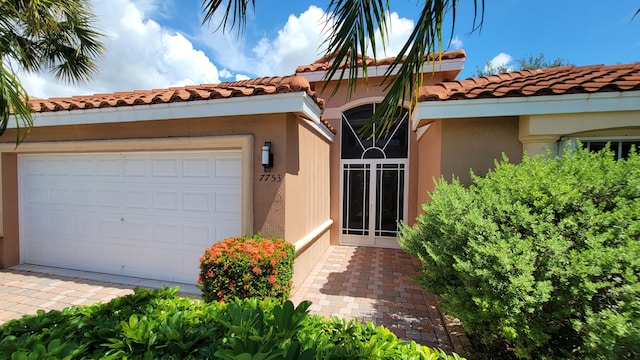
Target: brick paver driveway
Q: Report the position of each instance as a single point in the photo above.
(369, 284)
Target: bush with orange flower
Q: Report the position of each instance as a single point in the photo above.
(244, 267)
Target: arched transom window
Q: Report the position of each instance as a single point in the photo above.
(392, 145)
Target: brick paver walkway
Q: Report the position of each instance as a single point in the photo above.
(369, 284)
(373, 284)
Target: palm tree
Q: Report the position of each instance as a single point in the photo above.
(54, 35)
(353, 24)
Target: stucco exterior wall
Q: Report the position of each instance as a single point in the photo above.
(9, 249)
(476, 143)
(430, 162)
(307, 181)
(307, 201)
(298, 163)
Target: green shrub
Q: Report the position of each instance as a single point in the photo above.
(159, 325)
(244, 267)
(337, 338)
(544, 255)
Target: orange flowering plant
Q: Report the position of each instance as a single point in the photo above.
(244, 267)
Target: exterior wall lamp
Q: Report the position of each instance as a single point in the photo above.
(267, 156)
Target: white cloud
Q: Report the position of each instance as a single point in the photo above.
(399, 30)
(500, 61)
(225, 73)
(140, 54)
(455, 43)
(240, 77)
(297, 43)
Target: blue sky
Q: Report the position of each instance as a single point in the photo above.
(161, 43)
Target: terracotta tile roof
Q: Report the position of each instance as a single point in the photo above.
(550, 81)
(245, 88)
(323, 63)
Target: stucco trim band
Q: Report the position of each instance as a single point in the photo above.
(307, 240)
(532, 105)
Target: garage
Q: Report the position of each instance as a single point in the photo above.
(143, 214)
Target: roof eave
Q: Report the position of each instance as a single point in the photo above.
(297, 102)
(427, 111)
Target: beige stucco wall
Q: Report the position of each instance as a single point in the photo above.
(307, 180)
(476, 143)
(430, 162)
(452, 147)
(307, 201)
(9, 250)
(300, 163)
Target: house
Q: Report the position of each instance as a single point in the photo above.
(139, 183)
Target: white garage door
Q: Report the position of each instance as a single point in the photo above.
(137, 214)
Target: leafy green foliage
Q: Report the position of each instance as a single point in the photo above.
(524, 63)
(337, 338)
(246, 267)
(540, 62)
(544, 255)
(160, 325)
(53, 35)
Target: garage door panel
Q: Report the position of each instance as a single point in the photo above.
(128, 213)
(139, 231)
(110, 228)
(227, 203)
(35, 168)
(198, 236)
(197, 168)
(227, 168)
(36, 223)
(137, 199)
(35, 194)
(135, 168)
(109, 168)
(164, 168)
(83, 168)
(60, 196)
(199, 201)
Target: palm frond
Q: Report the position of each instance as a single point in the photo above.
(56, 35)
(235, 13)
(354, 28)
(353, 32)
(14, 102)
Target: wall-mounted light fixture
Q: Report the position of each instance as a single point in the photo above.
(267, 156)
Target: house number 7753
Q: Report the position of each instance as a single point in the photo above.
(270, 178)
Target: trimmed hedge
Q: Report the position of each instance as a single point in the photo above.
(160, 325)
(543, 256)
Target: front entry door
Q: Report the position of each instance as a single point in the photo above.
(373, 202)
(373, 180)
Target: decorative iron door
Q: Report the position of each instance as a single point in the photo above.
(373, 180)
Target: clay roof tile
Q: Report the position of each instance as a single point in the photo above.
(244, 88)
(325, 62)
(551, 81)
